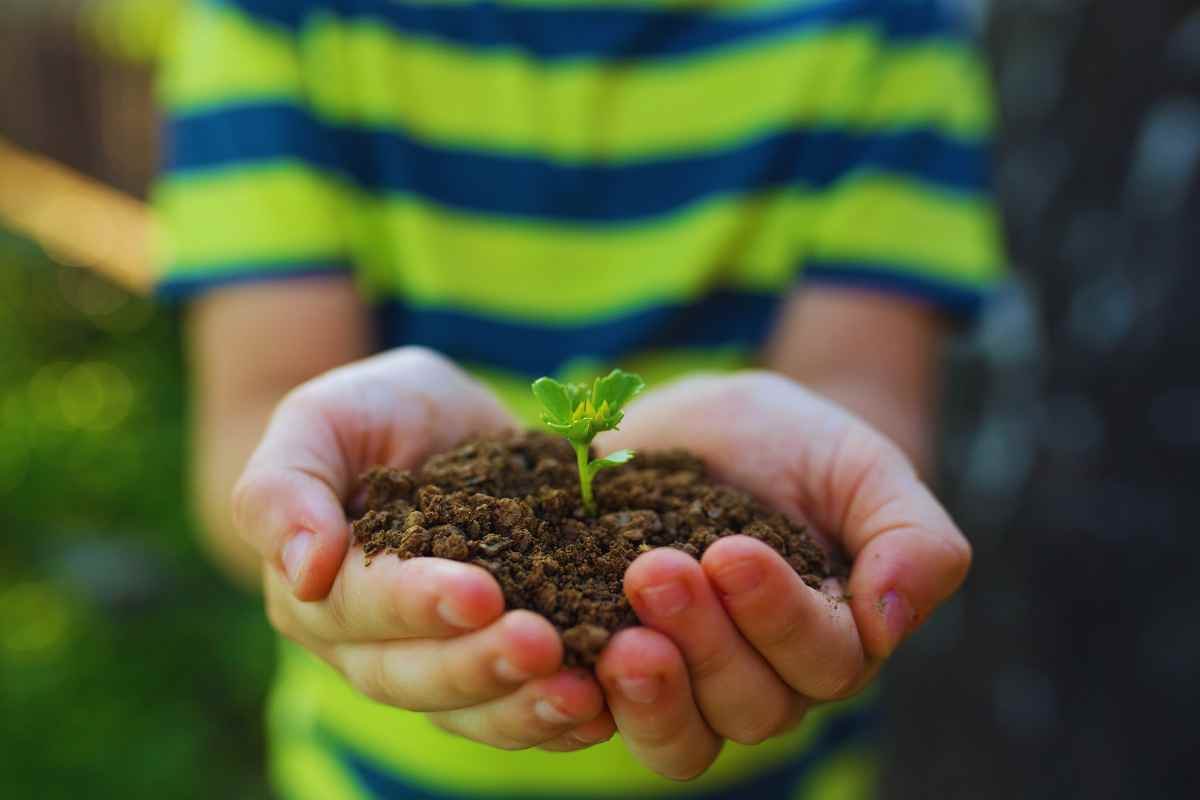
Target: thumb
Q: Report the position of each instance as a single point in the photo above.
(816, 462)
(288, 503)
(908, 555)
(393, 409)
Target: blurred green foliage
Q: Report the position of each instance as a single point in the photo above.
(128, 667)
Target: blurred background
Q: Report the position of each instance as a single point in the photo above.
(129, 668)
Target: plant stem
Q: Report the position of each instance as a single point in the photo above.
(585, 476)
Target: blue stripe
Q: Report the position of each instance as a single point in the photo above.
(386, 161)
(852, 728)
(723, 318)
(962, 302)
(608, 32)
(196, 281)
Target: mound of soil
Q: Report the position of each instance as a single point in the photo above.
(512, 506)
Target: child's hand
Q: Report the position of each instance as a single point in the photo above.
(426, 634)
(737, 646)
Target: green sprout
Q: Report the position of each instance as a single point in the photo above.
(579, 414)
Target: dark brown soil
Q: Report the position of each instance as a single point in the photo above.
(512, 506)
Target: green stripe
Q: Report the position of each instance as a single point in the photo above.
(277, 213)
(928, 233)
(571, 273)
(222, 57)
(364, 73)
(454, 764)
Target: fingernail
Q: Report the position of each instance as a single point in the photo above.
(451, 615)
(295, 556)
(738, 577)
(582, 739)
(510, 672)
(898, 617)
(639, 690)
(549, 713)
(666, 599)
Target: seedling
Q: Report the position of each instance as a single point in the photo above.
(579, 414)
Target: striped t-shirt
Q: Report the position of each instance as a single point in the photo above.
(552, 187)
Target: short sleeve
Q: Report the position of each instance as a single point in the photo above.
(913, 212)
(246, 191)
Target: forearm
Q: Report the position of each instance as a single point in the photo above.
(249, 347)
(873, 354)
(907, 422)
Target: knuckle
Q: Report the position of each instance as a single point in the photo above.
(243, 500)
(840, 668)
(254, 502)
(421, 359)
(519, 729)
(659, 734)
(520, 732)
(756, 725)
(710, 663)
(688, 770)
(508, 744)
(366, 686)
(749, 731)
(780, 631)
(338, 604)
(465, 678)
(474, 730)
(371, 678)
(841, 680)
(396, 610)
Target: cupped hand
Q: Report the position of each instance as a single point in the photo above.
(426, 634)
(737, 646)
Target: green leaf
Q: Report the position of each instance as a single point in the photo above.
(611, 460)
(555, 400)
(558, 427)
(616, 388)
(576, 394)
(580, 430)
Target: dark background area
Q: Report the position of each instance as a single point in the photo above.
(1066, 669)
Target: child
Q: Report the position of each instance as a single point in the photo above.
(548, 188)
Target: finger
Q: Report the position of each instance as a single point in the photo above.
(441, 675)
(646, 684)
(900, 577)
(738, 692)
(908, 555)
(809, 638)
(816, 462)
(540, 711)
(394, 409)
(597, 731)
(288, 506)
(395, 599)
